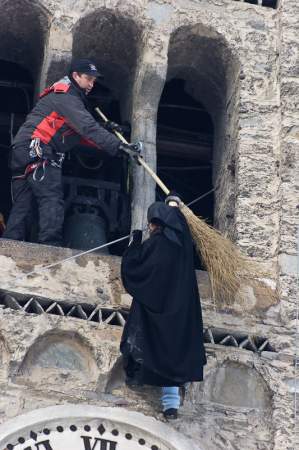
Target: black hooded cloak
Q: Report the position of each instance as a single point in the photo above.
(162, 342)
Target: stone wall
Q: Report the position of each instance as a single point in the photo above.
(53, 356)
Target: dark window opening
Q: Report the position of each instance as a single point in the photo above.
(270, 3)
(116, 59)
(267, 3)
(16, 92)
(97, 205)
(184, 147)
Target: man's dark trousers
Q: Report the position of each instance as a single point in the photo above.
(48, 194)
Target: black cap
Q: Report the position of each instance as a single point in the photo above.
(85, 66)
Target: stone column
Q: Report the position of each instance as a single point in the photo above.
(289, 181)
(58, 50)
(257, 159)
(148, 85)
(289, 163)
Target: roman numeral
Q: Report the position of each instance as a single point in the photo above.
(44, 445)
(105, 445)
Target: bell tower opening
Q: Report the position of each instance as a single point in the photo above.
(23, 27)
(97, 208)
(185, 147)
(16, 91)
(198, 123)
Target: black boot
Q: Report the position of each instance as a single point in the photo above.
(170, 414)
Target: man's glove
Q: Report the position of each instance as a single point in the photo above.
(132, 150)
(112, 126)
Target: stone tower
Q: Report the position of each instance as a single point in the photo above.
(225, 74)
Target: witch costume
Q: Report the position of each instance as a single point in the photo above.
(162, 342)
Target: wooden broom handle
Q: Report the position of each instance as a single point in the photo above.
(139, 158)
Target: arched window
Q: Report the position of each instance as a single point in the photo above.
(22, 38)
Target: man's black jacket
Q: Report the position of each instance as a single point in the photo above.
(61, 121)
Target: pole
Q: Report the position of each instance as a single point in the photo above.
(139, 158)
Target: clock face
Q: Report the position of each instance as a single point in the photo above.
(84, 436)
(86, 427)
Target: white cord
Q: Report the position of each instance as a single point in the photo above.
(202, 196)
(49, 266)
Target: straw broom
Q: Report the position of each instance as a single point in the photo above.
(227, 267)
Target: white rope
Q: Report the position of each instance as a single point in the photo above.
(49, 266)
(202, 196)
(77, 255)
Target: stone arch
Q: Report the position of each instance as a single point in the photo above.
(23, 30)
(234, 384)
(234, 392)
(204, 61)
(111, 39)
(56, 357)
(108, 428)
(114, 45)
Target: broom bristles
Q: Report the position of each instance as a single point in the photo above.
(227, 267)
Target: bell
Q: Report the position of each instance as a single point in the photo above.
(85, 229)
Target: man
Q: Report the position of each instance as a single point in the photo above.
(59, 121)
(162, 342)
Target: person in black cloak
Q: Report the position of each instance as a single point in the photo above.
(162, 342)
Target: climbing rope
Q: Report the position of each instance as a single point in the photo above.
(77, 255)
(49, 266)
(201, 197)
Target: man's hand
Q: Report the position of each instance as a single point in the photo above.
(132, 150)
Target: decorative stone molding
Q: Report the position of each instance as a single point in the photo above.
(89, 428)
(32, 304)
